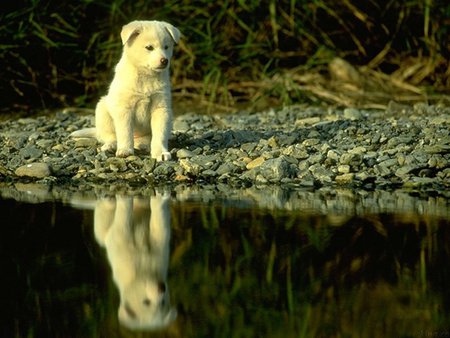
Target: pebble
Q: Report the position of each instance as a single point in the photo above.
(30, 152)
(345, 178)
(352, 114)
(190, 167)
(184, 153)
(36, 170)
(271, 170)
(255, 163)
(85, 142)
(307, 121)
(344, 168)
(352, 159)
(295, 145)
(322, 174)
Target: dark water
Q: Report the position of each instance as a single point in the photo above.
(247, 263)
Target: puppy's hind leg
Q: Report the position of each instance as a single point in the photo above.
(105, 126)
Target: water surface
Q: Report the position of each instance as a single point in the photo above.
(217, 262)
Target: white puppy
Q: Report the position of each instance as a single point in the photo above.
(138, 106)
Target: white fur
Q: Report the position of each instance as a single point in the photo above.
(137, 111)
(136, 234)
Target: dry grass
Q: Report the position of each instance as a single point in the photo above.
(339, 84)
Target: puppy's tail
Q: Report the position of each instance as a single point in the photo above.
(84, 133)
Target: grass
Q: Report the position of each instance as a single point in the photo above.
(233, 52)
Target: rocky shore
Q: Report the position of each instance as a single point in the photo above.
(403, 146)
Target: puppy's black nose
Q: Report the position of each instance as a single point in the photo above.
(164, 62)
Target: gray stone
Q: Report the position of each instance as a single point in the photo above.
(149, 165)
(227, 168)
(307, 121)
(272, 142)
(180, 125)
(116, 164)
(438, 161)
(255, 163)
(405, 170)
(205, 161)
(395, 141)
(344, 168)
(358, 150)
(31, 152)
(209, 173)
(164, 169)
(352, 159)
(184, 153)
(304, 165)
(362, 176)
(85, 142)
(45, 144)
(311, 142)
(297, 151)
(345, 178)
(37, 170)
(333, 155)
(437, 149)
(248, 147)
(17, 140)
(352, 114)
(389, 163)
(287, 140)
(382, 170)
(417, 182)
(417, 157)
(272, 169)
(190, 167)
(322, 174)
(316, 158)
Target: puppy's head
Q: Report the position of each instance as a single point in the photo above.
(145, 305)
(149, 44)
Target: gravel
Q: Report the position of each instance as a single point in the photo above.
(403, 146)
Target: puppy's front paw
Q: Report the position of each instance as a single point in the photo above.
(163, 156)
(124, 152)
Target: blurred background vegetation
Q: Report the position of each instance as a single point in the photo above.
(258, 52)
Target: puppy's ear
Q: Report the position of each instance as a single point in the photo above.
(173, 32)
(130, 31)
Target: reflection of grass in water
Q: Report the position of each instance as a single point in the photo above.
(246, 272)
(61, 301)
(253, 273)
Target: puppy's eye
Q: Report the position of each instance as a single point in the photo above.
(147, 302)
(150, 47)
(166, 47)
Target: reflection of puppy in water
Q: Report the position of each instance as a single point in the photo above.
(136, 234)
